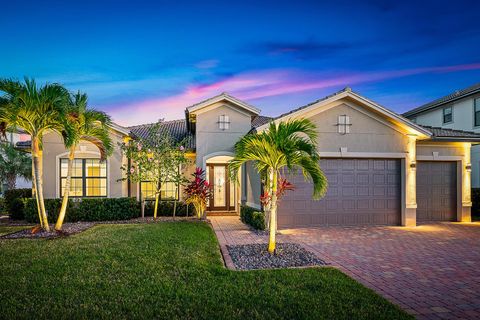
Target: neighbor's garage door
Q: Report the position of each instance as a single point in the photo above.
(436, 191)
(360, 192)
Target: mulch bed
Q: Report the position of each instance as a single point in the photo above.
(70, 228)
(287, 255)
(67, 230)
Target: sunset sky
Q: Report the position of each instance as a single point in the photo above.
(141, 61)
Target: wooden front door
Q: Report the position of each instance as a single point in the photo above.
(223, 192)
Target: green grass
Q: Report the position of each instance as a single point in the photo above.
(168, 271)
(10, 229)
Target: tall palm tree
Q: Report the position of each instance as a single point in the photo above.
(37, 110)
(286, 146)
(83, 124)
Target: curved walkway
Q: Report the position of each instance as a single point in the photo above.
(432, 271)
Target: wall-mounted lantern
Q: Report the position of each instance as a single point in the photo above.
(468, 167)
(413, 165)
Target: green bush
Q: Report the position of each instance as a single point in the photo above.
(3, 210)
(14, 204)
(253, 217)
(95, 209)
(165, 208)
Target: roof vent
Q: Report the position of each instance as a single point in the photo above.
(348, 89)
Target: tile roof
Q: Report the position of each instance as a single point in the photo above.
(176, 128)
(258, 121)
(458, 94)
(451, 133)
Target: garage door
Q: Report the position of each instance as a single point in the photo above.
(436, 191)
(361, 192)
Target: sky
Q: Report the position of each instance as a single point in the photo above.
(141, 61)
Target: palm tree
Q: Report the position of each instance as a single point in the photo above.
(14, 163)
(37, 110)
(287, 146)
(83, 124)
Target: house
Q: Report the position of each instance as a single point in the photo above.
(382, 168)
(459, 110)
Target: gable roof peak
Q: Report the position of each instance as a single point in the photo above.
(223, 96)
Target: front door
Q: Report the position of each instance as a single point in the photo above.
(223, 195)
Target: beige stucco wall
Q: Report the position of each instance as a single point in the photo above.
(252, 186)
(53, 150)
(366, 133)
(210, 140)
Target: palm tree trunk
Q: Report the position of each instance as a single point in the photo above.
(66, 192)
(273, 214)
(34, 191)
(11, 181)
(38, 169)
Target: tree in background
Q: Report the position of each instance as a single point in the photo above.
(82, 124)
(14, 163)
(177, 161)
(153, 159)
(287, 145)
(37, 110)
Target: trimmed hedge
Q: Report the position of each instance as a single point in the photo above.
(253, 217)
(165, 208)
(14, 202)
(95, 209)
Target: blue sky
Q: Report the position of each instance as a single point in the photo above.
(141, 61)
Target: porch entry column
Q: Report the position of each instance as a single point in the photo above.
(464, 213)
(409, 212)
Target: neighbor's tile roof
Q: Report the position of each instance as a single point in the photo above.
(258, 121)
(176, 128)
(458, 94)
(451, 133)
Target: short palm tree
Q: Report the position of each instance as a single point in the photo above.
(287, 145)
(14, 163)
(37, 110)
(82, 124)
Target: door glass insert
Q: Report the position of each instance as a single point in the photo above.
(219, 199)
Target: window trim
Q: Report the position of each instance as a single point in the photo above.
(443, 115)
(476, 104)
(84, 178)
(224, 119)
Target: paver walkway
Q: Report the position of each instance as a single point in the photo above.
(431, 271)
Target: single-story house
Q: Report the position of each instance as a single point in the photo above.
(382, 168)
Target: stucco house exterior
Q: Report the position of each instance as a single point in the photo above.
(382, 168)
(459, 110)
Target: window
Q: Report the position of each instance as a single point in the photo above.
(343, 124)
(167, 192)
(223, 122)
(414, 120)
(476, 112)
(447, 115)
(89, 178)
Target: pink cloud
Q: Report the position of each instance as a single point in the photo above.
(255, 85)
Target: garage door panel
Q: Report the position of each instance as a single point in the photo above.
(361, 192)
(436, 191)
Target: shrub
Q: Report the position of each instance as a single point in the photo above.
(165, 208)
(3, 210)
(253, 217)
(95, 209)
(14, 204)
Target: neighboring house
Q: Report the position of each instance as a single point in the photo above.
(18, 137)
(459, 110)
(374, 160)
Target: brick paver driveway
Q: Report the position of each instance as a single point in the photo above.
(431, 271)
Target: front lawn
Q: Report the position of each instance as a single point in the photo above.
(166, 270)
